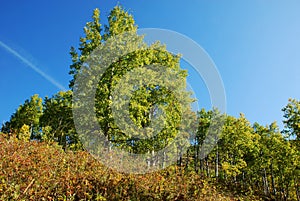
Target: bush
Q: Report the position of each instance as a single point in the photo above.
(39, 171)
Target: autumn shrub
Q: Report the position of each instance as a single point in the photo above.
(39, 171)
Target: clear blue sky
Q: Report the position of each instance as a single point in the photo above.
(254, 44)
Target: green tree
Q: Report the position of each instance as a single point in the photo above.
(146, 100)
(27, 114)
(237, 146)
(57, 121)
(275, 170)
(292, 130)
(206, 146)
(87, 44)
(292, 118)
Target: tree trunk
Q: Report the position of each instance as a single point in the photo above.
(179, 156)
(31, 131)
(187, 159)
(164, 160)
(265, 182)
(201, 165)
(207, 167)
(273, 182)
(149, 161)
(196, 160)
(297, 189)
(217, 163)
(153, 159)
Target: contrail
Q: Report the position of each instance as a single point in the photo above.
(33, 67)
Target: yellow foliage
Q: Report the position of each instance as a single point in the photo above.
(24, 133)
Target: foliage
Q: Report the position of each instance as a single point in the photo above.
(24, 133)
(57, 120)
(27, 114)
(145, 98)
(37, 171)
(292, 118)
(250, 159)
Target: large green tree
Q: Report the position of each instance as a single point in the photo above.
(147, 99)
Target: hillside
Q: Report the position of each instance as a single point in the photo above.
(39, 171)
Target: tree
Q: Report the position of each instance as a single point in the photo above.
(146, 100)
(57, 121)
(292, 118)
(237, 146)
(275, 169)
(87, 44)
(27, 114)
(292, 129)
(209, 130)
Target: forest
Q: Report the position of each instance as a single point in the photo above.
(44, 156)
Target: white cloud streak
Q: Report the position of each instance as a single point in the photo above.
(32, 66)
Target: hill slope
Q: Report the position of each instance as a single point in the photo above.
(39, 171)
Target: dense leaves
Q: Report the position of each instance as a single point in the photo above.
(27, 118)
(145, 97)
(57, 121)
(292, 118)
(37, 171)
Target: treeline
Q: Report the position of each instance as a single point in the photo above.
(248, 158)
(255, 158)
(48, 120)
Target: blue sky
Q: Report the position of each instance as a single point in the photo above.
(254, 44)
